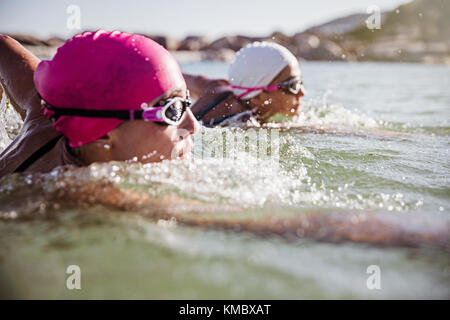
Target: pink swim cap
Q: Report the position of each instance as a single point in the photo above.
(104, 70)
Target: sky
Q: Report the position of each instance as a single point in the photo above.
(178, 18)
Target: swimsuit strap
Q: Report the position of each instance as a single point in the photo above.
(219, 120)
(37, 154)
(210, 106)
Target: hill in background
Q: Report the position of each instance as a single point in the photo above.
(418, 31)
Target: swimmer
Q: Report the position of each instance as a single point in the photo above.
(264, 80)
(104, 96)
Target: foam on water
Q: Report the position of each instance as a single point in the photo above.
(313, 112)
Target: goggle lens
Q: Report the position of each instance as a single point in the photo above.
(295, 87)
(292, 86)
(175, 111)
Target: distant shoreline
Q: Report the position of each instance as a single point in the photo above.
(415, 32)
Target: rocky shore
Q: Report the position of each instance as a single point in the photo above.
(415, 32)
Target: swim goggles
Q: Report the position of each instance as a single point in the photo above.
(166, 112)
(291, 86)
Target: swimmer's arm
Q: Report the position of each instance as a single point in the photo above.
(195, 84)
(198, 85)
(17, 66)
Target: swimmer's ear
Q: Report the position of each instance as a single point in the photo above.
(104, 142)
(100, 150)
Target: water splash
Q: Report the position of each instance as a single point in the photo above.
(329, 114)
(211, 181)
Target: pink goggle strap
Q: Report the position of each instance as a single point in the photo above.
(152, 114)
(271, 88)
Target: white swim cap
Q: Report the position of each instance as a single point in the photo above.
(257, 64)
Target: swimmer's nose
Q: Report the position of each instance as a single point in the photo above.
(302, 91)
(190, 123)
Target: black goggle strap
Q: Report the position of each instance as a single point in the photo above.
(115, 114)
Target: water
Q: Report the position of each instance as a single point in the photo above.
(374, 192)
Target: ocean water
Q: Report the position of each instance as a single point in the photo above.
(361, 179)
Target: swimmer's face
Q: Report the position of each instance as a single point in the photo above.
(150, 142)
(271, 103)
